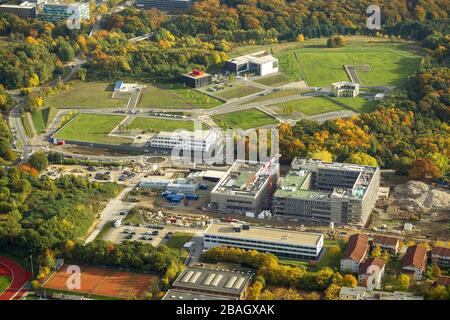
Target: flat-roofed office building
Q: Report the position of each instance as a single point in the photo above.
(246, 187)
(327, 192)
(25, 10)
(215, 282)
(283, 243)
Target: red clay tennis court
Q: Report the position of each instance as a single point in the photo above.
(104, 282)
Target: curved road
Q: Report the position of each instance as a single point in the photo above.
(19, 277)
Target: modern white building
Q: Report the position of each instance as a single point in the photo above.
(345, 89)
(177, 186)
(259, 63)
(284, 243)
(200, 140)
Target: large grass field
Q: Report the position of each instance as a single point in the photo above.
(276, 80)
(245, 119)
(92, 128)
(4, 283)
(277, 94)
(389, 65)
(87, 95)
(179, 239)
(193, 97)
(239, 91)
(157, 125)
(38, 121)
(358, 104)
(307, 106)
(161, 98)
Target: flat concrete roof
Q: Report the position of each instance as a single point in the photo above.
(270, 234)
(290, 187)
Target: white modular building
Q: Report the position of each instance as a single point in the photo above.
(201, 140)
(260, 63)
(284, 243)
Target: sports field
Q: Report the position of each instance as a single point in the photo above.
(87, 95)
(307, 106)
(92, 128)
(386, 64)
(104, 282)
(157, 125)
(245, 119)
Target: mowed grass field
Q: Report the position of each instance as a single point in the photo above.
(276, 80)
(307, 106)
(358, 104)
(92, 128)
(239, 91)
(193, 97)
(321, 66)
(87, 95)
(157, 125)
(179, 239)
(245, 119)
(161, 98)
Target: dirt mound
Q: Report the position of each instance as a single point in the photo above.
(418, 194)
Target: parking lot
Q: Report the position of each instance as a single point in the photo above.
(146, 234)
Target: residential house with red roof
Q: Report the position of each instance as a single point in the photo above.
(355, 253)
(391, 244)
(414, 262)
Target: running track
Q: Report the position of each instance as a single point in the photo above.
(18, 278)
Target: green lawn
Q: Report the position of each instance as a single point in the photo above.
(4, 283)
(87, 95)
(276, 80)
(27, 125)
(157, 125)
(389, 65)
(245, 119)
(238, 91)
(92, 128)
(39, 121)
(194, 97)
(308, 106)
(162, 98)
(277, 94)
(179, 239)
(358, 104)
